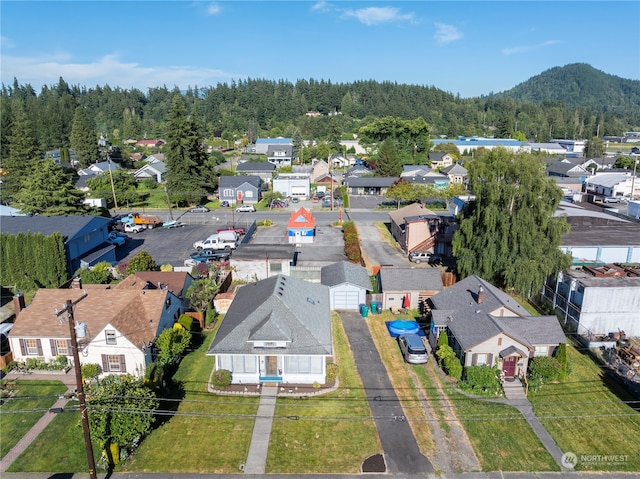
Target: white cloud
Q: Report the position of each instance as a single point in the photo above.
(446, 34)
(321, 6)
(6, 42)
(108, 70)
(377, 15)
(213, 9)
(528, 48)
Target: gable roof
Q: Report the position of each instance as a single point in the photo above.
(287, 149)
(264, 166)
(374, 181)
(410, 279)
(133, 312)
(238, 181)
(472, 323)
(173, 281)
(279, 308)
(301, 218)
(455, 169)
(67, 226)
(414, 210)
(345, 272)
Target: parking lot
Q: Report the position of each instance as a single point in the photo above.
(173, 246)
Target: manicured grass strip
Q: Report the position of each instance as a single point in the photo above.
(209, 433)
(585, 415)
(59, 447)
(501, 437)
(334, 432)
(29, 395)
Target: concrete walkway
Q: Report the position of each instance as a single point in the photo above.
(257, 457)
(515, 397)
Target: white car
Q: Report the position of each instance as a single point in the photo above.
(245, 209)
(132, 228)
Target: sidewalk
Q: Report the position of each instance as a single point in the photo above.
(257, 456)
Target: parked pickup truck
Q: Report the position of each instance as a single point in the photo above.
(148, 221)
(239, 231)
(133, 228)
(226, 240)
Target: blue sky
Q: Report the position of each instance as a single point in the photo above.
(467, 48)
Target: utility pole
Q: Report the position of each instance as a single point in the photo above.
(113, 189)
(68, 309)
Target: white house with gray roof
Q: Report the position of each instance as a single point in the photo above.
(486, 326)
(276, 330)
(348, 284)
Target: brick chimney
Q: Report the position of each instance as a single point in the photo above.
(77, 283)
(18, 302)
(480, 294)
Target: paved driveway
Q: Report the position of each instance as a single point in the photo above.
(401, 450)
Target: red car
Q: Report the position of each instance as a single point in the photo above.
(239, 231)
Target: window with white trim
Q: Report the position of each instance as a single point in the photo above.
(110, 336)
(31, 346)
(62, 347)
(541, 351)
(481, 359)
(113, 362)
(303, 364)
(243, 364)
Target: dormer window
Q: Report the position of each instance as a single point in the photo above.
(110, 336)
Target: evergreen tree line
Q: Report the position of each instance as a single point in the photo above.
(255, 107)
(32, 260)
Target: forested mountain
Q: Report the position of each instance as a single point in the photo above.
(580, 85)
(575, 101)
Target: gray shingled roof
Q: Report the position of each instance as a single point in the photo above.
(345, 272)
(67, 226)
(370, 181)
(279, 308)
(236, 181)
(256, 166)
(472, 323)
(410, 279)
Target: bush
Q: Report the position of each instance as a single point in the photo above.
(59, 363)
(90, 371)
(166, 268)
(453, 367)
(221, 378)
(141, 262)
(544, 368)
(482, 378)
(210, 317)
(561, 356)
(332, 372)
(186, 321)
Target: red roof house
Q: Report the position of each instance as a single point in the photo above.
(301, 227)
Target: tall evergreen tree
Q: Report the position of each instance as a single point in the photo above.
(23, 152)
(510, 236)
(84, 139)
(388, 162)
(594, 148)
(49, 191)
(185, 157)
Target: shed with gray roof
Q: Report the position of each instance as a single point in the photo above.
(276, 330)
(348, 284)
(408, 287)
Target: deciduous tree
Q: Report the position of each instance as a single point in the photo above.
(510, 236)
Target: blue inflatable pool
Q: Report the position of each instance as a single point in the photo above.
(400, 326)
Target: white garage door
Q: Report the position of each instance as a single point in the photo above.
(345, 300)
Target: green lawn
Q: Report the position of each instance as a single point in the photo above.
(36, 396)
(585, 416)
(334, 432)
(208, 433)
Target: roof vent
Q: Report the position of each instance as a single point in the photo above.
(310, 300)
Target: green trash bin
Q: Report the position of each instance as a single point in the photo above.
(364, 310)
(374, 307)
